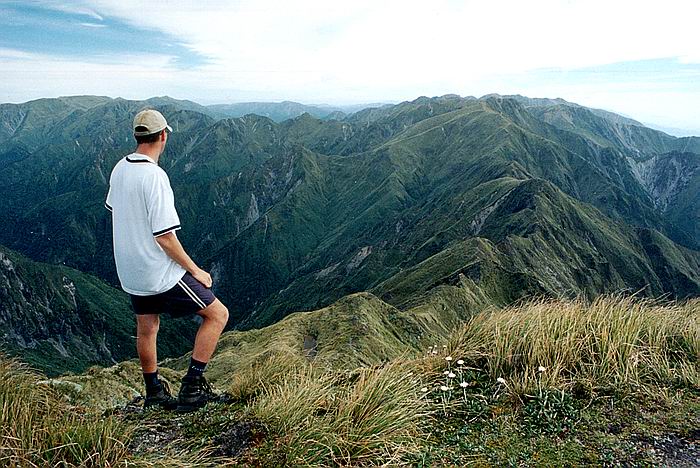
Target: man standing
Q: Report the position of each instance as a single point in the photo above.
(153, 267)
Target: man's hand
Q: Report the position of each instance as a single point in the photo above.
(203, 277)
(171, 246)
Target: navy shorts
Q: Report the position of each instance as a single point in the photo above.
(187, 297)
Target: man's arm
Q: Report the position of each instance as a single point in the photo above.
(171, 245)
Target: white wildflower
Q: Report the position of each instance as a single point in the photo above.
(446, 372)
(464, 384)
(501, 380)
(541, 369)
(448, 358)
(450, 375)
(444, 388)
(460, 362)
(434, 352)
(424, 389)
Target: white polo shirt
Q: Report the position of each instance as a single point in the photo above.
(143, 208)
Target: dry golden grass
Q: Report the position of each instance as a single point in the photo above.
(371, 417)
(623, 343)
(251, 380)
(39, 429)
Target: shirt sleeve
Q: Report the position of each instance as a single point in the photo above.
(160, 205)
(108, 201)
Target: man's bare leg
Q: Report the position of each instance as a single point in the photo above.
(146, 337)
(194, 391)
(215, 316)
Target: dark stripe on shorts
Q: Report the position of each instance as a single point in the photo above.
(108, 207)
(164, 231)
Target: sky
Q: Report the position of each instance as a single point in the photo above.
(638, 58)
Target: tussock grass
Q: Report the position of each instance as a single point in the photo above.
(252, 380)
(375, 415)
(295, 400)
(618, 343)
(39, 429)
(372, 417)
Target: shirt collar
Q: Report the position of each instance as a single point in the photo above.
(138, 157)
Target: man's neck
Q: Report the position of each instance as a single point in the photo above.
(149, 150)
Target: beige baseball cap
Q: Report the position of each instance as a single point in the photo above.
(149, 121)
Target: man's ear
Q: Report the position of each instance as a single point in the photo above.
(162, 136)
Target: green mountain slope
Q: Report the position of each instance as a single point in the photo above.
(408, 199)
(554, 197)
(29, 124)
(533, 239)
(59, 319)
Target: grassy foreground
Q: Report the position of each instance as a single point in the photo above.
(544, 383)
(39, 429)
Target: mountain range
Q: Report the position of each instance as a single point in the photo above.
(496, 198)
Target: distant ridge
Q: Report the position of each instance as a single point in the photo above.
(280, 111)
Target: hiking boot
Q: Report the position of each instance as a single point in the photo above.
(162, 398)
(195, 392)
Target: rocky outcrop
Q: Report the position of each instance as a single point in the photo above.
(665, 176)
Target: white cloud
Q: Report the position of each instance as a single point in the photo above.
(393, 37)
(30, 75)
(367, 50)
(6, 53)
(71, 8)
